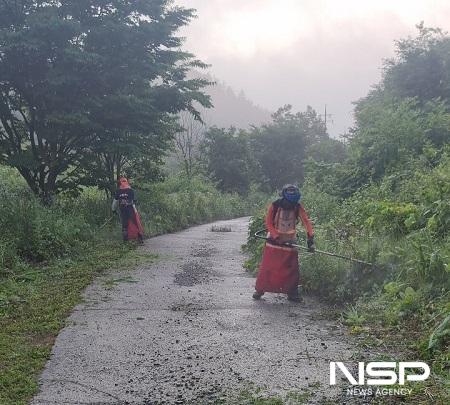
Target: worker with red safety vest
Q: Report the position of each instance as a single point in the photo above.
(279, 268)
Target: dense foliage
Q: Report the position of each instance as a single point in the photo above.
(388, 203)
(271, 155)
(48, 255)
(88, 89)
(38, 233)
(227, 158)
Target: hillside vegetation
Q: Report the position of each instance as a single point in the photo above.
(50, 254)
(89, 94)
(388, 202)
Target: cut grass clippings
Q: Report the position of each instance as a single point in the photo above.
(34, 304)
(221, 228)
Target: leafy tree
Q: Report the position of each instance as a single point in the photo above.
(327, 150)
(137, 155)
(389, 134)
(188, 139)
(405, 113)
(84, 82)
(421, 67)
(280, 148)
(227, 159)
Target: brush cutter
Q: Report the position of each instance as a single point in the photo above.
(351, 259)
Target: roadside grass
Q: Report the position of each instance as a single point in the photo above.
(48, 255)
(401, 303)
(257, 396)
(402, 343)
(34, 304)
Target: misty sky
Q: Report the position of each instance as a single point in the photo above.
(303, 52)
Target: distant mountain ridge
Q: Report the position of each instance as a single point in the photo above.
(231, 109)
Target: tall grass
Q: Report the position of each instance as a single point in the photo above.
(179, 202)
(48, 255)
(34, 233)
(401, 225)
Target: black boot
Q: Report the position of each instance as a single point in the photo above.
(294, 295)
(257, 295)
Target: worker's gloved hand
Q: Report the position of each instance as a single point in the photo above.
(311, 245)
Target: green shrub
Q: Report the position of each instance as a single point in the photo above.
(37, 233)
(400, 225)
(179, 202)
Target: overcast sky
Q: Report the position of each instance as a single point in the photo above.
(304, 52)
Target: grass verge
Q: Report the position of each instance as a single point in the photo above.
(34, 304)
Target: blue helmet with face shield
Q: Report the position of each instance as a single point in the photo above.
(291, 193)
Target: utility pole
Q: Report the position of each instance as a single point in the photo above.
(325, 117)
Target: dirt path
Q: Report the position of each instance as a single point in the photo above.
(185, 330)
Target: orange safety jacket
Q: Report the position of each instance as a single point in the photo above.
(281, 223)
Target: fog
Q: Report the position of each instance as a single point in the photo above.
(311, 52)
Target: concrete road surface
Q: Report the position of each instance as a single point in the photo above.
(185, 330)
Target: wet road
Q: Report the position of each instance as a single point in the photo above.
(184, 329)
